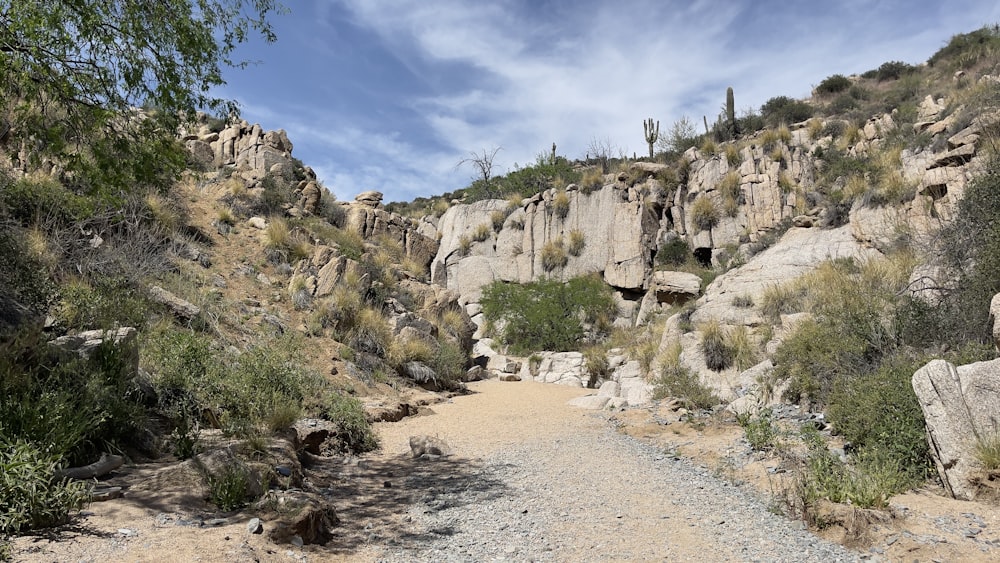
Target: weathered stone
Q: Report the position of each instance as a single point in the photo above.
(959, 404)
(371, 198)
(590, 402)
(675, 287)
(995, 319)
(182, 309)
(257, 222)
(609, 389)
(305, 521)
(420, 373)
(428, 446)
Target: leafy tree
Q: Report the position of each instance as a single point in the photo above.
(72, 73)
(547, 314)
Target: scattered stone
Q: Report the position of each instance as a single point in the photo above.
(255, 526)
(432, 445)
(184, 310)
(257, 222)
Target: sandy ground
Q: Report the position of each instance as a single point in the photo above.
(143, 526)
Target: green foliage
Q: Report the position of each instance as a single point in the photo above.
(672, 253)
(868, 483)
(104, 303)
(527, 181)
(966, 49)
(74, 93)
(354, 432)
(547, 314)
(31, 496)
(714, 345)
(230, 489)
(784, 110)
(69, 407)
(23, 277)
(877, 411)
(677, 381)
(834, 84)
(891, 70)
(759, 428)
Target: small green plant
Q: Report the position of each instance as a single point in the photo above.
(759, 428)
(596, 363)
(677, 381)
(577, 241)
(230, 489)
(704, 213)
(553, 255)
(354, 432)
(31, 496)
(988, 452)
(744, 351)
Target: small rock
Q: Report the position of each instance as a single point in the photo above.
(283, 471)
(296, 541)
(255, 526)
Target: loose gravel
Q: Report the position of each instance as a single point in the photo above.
(593, 494)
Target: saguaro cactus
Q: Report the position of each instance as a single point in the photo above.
(652, 133)
(731, 113)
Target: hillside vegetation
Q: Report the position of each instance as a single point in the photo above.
(234, 296)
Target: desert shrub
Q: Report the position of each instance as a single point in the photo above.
(560, 204)
(758, 428)
(877, 411)
(744, 301)
(732, 153)
(715, 346)
(708, 147)
(481, 233)
(987, 452)
(834, 84)
(464, 245)
(449, 361)
(677, 381)
(673, 252)
(553, 255)
(592, 180)
(276, 193)
(354, 433)
(230, 489)
(547, 314)
(780, 300)
(577, 241)
(349, 243)
(31, 496)
(891, 70)
(71, 407)
(497, 219)
(23, 278)
(782, 109)
(966, 49)
(704, 213)
(744, 351)
(595, 361)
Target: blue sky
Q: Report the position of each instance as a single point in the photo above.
(391, 95)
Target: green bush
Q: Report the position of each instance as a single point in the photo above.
(784, 110)
(354, 432)
(677, 381)
(965, 49)
(878, 411)
(70, 407)
(31, 496)
(759, 428)
(714, 345)
(834, 84)
(230, 489)
(547, 314)
(672, 253)
(577, 241)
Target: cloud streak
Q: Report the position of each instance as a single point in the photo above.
(409, 87)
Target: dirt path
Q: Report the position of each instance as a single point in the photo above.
(530, 478)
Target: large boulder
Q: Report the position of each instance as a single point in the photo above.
(960, 405)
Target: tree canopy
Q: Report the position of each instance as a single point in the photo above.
(72, 72)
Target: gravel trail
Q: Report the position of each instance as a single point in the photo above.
(537, 480)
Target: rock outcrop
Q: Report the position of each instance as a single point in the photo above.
(961, 406)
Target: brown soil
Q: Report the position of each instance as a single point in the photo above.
(143, 524)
